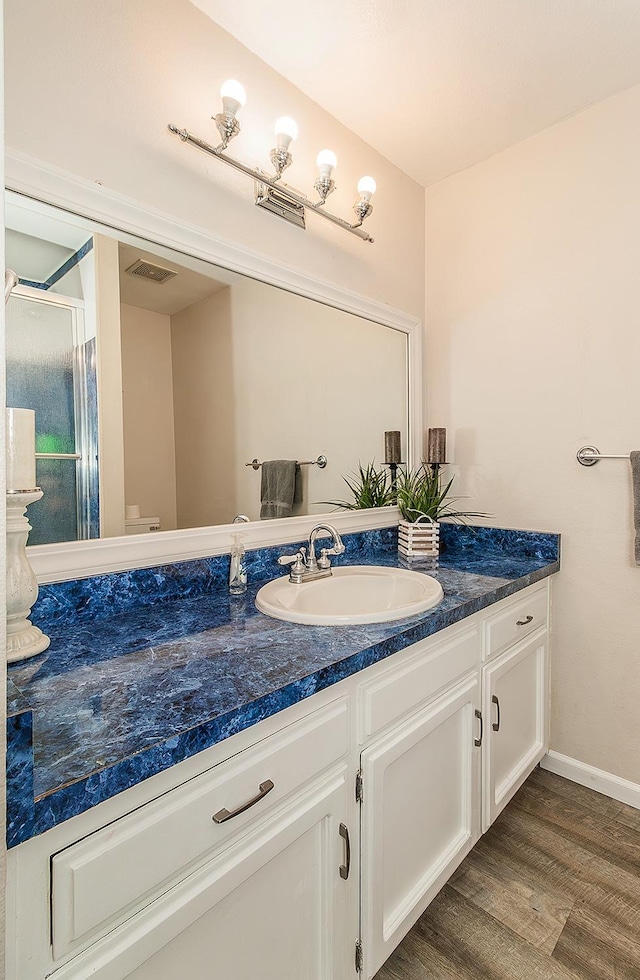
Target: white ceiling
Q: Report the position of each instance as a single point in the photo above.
(32, 258)
(36, 245)
(170, 297)
(438, 85)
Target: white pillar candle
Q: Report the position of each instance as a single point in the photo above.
(21, 448)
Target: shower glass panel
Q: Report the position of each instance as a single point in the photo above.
(48, 370)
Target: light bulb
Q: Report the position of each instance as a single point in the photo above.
(366, 187)
(326, 161)
(233, 96)
(286, 130)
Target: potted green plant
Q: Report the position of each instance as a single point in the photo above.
(423, 500)
(369, 487)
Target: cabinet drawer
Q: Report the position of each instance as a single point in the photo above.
(104, 879)
(518, 618)
(427, 668)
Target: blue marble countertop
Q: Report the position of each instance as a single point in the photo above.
(147, 668)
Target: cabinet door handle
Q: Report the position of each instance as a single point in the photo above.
(225, 814)
(478, 741)
(496, 724)
(524, 622)
(345, 868)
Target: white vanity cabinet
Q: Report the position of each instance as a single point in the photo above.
(515, 698)
(436, 759)
(420, 815)
(274, 905)
(347, 814)
(420, 782)
(248, 870)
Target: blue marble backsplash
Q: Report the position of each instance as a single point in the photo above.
(461, 539)
(102, 596)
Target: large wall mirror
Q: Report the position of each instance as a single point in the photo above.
(159, 378)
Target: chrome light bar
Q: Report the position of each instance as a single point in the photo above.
(270, 192)
(271, 189)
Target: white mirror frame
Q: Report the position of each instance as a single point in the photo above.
(82, 199)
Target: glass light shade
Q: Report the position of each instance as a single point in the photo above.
(286, 130)
(285, 126)
(366, 187)
(326, 161)
(233, 96)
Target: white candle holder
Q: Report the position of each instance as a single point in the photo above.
(23, 638)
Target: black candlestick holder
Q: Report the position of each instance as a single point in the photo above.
(393, 471)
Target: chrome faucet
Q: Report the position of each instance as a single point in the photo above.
(305, 565)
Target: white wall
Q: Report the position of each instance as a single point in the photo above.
(337, 386)
(206, 465)
(335, 383)
(109, 370)
(116, 73)
(147, 405)
(533, 262)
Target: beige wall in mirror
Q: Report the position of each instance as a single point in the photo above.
(215, 369)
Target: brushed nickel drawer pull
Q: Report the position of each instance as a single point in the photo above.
(345, 868)
(225, 814)
(524, 622)
(478, 741)
(496, 724)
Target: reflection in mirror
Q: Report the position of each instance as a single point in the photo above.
(156, 378)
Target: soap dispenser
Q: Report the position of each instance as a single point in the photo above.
(237, 568)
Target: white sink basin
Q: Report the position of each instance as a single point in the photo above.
(352, 594)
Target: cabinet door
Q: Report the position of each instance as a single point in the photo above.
(515, 713)
(273, 905)
(99, 883)
(420, 815)
(278, 910)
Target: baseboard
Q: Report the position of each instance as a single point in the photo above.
(617, 788)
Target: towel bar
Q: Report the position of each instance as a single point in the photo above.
(589, 456)
(320, 462)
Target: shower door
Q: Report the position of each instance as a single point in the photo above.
(51, 369)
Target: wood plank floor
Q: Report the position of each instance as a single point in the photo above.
(551, 892)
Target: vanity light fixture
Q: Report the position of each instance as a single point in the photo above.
(233, 98)
(364, 207)
(325, 161)
(270, 192)
(286, 131)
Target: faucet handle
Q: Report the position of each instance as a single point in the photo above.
(297, 563)
(297, 559)
(324, 561)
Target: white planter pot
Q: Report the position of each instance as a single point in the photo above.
(419, 539)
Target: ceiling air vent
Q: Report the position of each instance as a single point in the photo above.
(154, 273)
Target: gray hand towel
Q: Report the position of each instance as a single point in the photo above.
(279, 488)
(635, 478)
